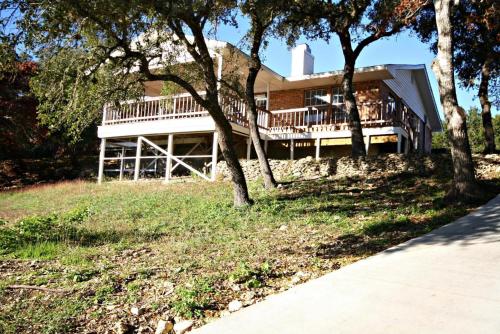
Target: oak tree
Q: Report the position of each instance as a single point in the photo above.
(464, 186)
(476, 31)
(263, 15)
(357, 24)
(136, 41)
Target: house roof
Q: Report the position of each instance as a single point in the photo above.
(410, 82)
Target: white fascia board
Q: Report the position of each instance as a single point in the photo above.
(183, 125)
(388, 130)
(337, 73)
(437, 125)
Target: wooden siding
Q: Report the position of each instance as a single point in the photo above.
(406, 88)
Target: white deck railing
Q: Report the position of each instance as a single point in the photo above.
(329, 117)
(153, 109)
(170, 107)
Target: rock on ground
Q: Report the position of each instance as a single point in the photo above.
(183, 326)
(234, 306)
(164, 327)
(371, 166)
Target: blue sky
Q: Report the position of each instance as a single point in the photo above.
(404, 48)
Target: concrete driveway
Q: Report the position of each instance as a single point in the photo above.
(447, 281)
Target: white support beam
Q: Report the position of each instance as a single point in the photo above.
(215, 151)
(102, 154)
(292, 149)
(249, 148)
(318, 147)
(137, 158)
(170, 150)
(174, 158)
(156, 164)
(367, 144)
(188, 154)
(400, 138)
(219, 75)
(104, 114)
(121, 162)
(267, 95)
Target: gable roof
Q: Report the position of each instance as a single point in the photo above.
(409, 82)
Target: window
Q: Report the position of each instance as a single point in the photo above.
(337, 96)
(316, 97)
(261, 101)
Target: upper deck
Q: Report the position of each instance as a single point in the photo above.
(182, 114)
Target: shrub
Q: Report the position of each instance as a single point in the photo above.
(193, 298)
(42, 229)
(250, 277)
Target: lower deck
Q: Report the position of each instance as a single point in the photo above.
(196, 153)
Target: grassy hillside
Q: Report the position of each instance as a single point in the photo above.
(181, 250)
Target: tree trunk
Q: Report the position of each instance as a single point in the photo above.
(226, 145)
(199, 50)
(265, 169)
(464, 186)
(358, 144)
(489, 133)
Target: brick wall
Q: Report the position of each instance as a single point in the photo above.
(286, 99)
(368, 91)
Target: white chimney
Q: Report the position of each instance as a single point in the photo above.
(302, 61)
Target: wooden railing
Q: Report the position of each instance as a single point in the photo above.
(330, 117)
(235, 111)
(324, 118)
(153, 109)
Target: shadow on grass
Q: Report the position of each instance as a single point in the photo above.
(355, 196)
(18, 238)
(380, 236)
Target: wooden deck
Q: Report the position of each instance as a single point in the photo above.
(297, 120)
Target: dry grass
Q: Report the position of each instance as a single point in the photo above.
(183, 250)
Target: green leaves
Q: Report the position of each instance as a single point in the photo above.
(72, 89)
(475, 131)
(193, 298)
(44, 229)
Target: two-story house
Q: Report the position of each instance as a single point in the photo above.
(300, 115)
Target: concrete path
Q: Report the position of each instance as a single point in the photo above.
(447, 281)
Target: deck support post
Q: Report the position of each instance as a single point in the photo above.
(102, 153)
(318, 148)
(137, 158)
(121, 162)
(400, 138)
(407, 144)
(249, 148)
(292, 149)
(266, 143)
(267, 96)
(170, 150)
(215, 151)
(367, 144)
